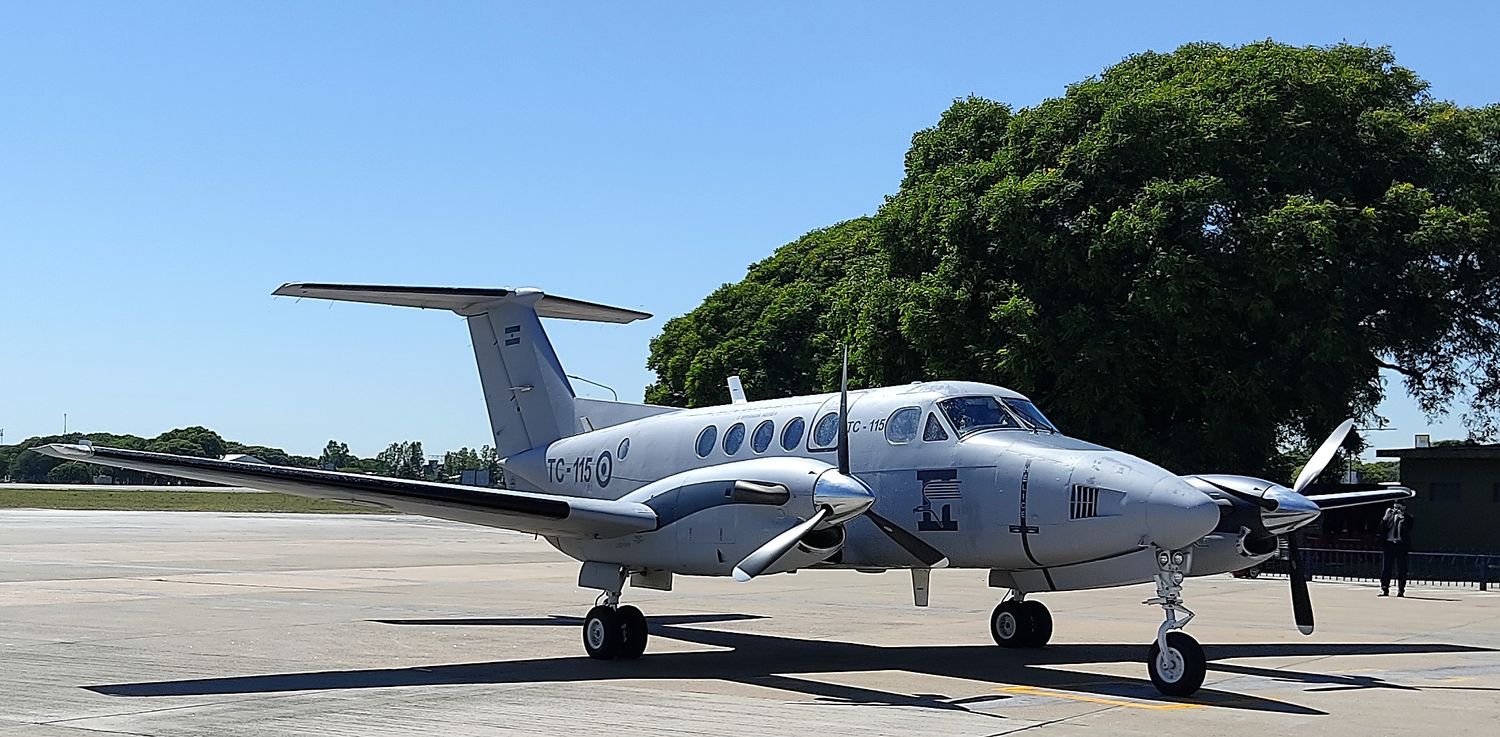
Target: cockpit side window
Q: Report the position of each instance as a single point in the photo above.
(971, 414)
(1029, 414)
(934, 430)
(901, 427)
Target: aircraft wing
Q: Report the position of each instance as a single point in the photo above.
(542, 514)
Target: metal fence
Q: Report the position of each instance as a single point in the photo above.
(1433, 569)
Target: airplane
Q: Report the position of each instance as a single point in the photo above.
(927, 475)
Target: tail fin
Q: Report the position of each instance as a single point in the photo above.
(529, 398)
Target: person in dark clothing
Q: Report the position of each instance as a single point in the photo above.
(1395, 543)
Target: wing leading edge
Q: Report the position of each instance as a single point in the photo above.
(542, 514)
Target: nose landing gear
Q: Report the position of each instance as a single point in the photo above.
(1176, 661)
(1017, 622)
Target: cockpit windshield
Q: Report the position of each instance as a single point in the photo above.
(971, 414)
(1030, 414)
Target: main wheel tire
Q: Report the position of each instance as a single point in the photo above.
(603, 636)
(1011, 624)
(1041, 623)
(633, 626)
(1179, 671)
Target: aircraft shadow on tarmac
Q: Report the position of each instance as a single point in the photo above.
(766, 661)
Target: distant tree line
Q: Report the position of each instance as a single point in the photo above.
(404, 459)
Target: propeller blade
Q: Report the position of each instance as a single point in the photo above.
(766, 555)
(844, 416)
(1323, 456)
(1344, 499)
(929, 556)
(1301, 601)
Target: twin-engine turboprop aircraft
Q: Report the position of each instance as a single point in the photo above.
(922, 476)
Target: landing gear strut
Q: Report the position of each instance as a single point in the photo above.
(1017, 622)
(1175, 660)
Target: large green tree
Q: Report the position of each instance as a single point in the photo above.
(1193, 256)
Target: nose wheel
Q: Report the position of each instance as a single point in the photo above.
(1019, 623)
(614, 632)
(1175, 661)
(1178, 669)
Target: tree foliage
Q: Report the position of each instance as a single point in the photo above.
(1193, 256)
(404, 460)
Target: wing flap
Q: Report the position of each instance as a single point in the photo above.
(543, 514)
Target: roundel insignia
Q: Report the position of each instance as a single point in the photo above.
(603, 469)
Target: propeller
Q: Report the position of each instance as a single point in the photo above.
(1302, 610)
(1279, 511)
(771, 551)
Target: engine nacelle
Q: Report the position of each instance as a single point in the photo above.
(711, 518)
(1226, 553)
(814, 548)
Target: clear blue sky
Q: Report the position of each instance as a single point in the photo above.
(163, 166)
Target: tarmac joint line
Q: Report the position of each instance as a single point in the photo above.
(1035, 691)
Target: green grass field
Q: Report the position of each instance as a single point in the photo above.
(173, 501)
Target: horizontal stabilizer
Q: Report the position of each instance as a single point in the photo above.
(465, 301)
(542, 514)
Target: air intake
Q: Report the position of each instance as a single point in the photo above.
(1084, 503)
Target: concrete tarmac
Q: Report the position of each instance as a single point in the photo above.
(178, 623)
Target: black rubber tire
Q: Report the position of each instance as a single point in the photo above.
(1040, 623)
(603, 636)
(633, 632)
(1194, 666)
(1010, 624)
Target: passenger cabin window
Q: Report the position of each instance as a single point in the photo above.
(762, 437)
(706, 440)
(734, 438)
(1030, 414)
(791, 435)
(902, 425)
(934, 429)
(623, 450)
(972, 414)
(826, 432)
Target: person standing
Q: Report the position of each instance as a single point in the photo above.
(1395, 544)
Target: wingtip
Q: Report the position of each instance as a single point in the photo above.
(741, 576)
(1305, 629)
(65, 450)
(941, 564)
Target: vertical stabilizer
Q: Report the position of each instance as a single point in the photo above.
(529, 398)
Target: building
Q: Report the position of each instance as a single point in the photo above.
(1457, 507)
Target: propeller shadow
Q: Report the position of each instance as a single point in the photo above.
(773, 662)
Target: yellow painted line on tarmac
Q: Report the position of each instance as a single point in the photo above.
(1034, 691)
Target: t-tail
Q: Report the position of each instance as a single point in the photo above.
(530, 400)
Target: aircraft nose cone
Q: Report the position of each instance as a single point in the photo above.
(1178, 515)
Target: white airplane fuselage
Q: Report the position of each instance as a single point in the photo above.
(1013, 499)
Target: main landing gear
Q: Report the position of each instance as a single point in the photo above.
(1017, 622)
(1175, 661)
(612, 631)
